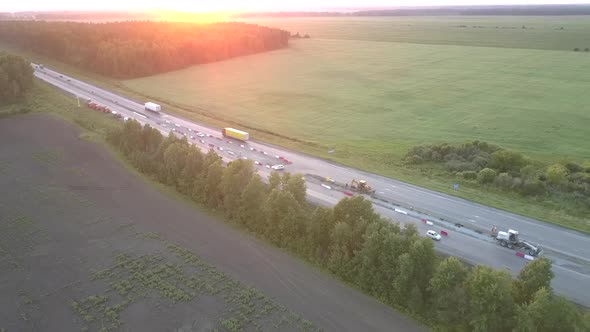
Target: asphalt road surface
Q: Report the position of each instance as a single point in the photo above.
(569, 250)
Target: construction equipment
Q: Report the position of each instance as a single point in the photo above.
(511, 240)
(361, 186)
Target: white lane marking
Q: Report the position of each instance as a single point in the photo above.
(387, 189)
(143, 116)
(381, 192)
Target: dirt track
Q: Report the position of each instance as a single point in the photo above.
(68, 209)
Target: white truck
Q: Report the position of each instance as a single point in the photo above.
(152, 107)
(510, 240)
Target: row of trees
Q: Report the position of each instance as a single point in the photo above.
(133, 49)
(392, 263)
(566, 183)
(16, 77)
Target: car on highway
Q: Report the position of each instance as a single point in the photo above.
(245, 158)
(433, 235)
(278, 167)
(220, 148)
(202, 141)
(192, 137)
(201, 135)
(231, 152)
(267, 166)
(257, 162)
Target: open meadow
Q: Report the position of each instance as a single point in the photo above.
(372, 100)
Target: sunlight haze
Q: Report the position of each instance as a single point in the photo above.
(255, 5)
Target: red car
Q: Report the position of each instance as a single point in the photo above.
(348, 193)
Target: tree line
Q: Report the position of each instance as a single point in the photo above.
(566, 183)
(16, 77)
(388, 261)
(134, 49)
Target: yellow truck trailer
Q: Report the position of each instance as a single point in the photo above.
(234, 133)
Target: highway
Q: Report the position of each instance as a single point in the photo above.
(569, 250)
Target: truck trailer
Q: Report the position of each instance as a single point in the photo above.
(235, 133)
(511, 240)
(152, 107)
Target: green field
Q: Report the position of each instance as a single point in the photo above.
(374, 100)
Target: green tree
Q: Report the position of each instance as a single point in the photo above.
(486, 175)
(320, 231)
(174, 161)
(16, 77)
(546, 313)
(490, 300)
(213, 185)
(296, 186)
(556, 174)
(236, 177)
(505, 161)
(252, 205)
(274, 181)
(416, 268)
(449, 294)
(535, 275)
(279, 205)
(340, 259)
(357, 212)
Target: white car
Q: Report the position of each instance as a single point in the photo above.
(257, 163)
(231, 152)
(177, 125)
(278, 167)
(190, 129)
(242, 146)
(245, 158)
(220, 148)
(192, 137)
(202, 141)
(251, 149)
(433, 235)
(267, 166)
(201, 135)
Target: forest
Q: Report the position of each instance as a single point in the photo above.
(376, 255)
(135, 49)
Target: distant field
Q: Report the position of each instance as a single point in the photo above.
(371, 100)
(494, 31)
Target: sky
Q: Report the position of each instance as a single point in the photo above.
(244, 5)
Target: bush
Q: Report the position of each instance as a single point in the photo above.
(556, 174)
(459, 166)
(504, 161)
(576, 49)
(573, 167)
(414, 160)
(516, 183)
(469, 175)
(486, 175)
(503, 181)
(533, 188)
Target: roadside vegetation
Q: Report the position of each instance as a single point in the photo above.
(135, 49)
(563, 186)
(376, 255)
